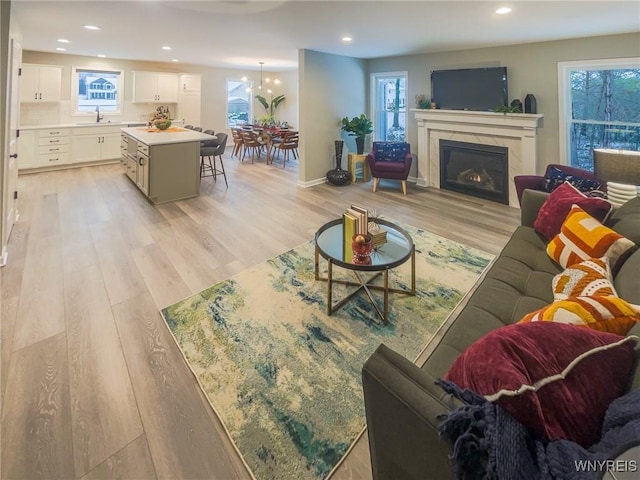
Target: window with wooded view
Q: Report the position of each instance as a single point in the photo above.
(605, 112)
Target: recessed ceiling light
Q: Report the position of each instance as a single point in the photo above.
(347, 39)
(174, 59)
(244, 79)
(166, 48)
(91, 27)
(102, 56)
(503, 10)
(60, 49)
(63, 40)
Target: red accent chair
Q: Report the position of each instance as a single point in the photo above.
(536, 182)
(391, 160)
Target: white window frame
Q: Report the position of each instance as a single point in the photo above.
(564, 96)
(373, 86)
(226, 100)
(74, 91)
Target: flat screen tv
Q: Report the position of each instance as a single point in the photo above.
(479, 89)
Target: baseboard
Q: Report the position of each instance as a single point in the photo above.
(312, 183)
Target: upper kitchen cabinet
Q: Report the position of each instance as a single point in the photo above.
(40, 83)
(189, 82)
(152, 87)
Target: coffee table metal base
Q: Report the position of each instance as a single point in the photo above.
(366, 285)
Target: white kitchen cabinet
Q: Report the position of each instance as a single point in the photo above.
(92, 144)
(153, 87)
(189, 108)
(190, 82)
(27, 149)
(40, 83)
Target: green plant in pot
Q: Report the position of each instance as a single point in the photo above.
(358, 127)
(270, 107)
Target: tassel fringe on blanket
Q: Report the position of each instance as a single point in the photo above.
(489, 444)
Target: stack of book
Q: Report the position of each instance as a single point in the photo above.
(355, 222)
(378, 235)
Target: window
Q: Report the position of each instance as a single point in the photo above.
(599, 108)
(238, 102)
(93, 89)
(388, 102)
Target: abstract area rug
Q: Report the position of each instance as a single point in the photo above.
(284, 377)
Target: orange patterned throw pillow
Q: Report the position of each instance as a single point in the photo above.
(607, 314)
(589, 278)
(582, 237)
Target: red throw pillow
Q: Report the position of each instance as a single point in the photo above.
(555, 379)
(557, 206)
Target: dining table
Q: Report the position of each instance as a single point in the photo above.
(268, 136)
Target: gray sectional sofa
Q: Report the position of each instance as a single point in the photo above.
(402, 400)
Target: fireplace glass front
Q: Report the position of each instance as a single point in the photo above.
(475, 169)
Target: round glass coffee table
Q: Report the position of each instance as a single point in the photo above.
(397, 250)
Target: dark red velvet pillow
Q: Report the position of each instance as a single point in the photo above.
(555, 379)
(557, 206)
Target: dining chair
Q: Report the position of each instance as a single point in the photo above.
(236, 135)
(190, 127)
(250, 141)
(197, 129)
(213, 149)
(288, 144)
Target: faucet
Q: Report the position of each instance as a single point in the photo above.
(98, 117)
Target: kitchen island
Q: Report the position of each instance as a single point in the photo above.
(164, 164)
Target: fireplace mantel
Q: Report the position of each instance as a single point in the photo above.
(517, 132)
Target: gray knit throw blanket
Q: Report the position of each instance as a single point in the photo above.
(488, 443)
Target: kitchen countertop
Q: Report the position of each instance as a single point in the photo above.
(160, 137)
(81, 125)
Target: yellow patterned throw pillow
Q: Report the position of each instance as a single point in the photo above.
(583, 237)
(607, 314)
(589, 278)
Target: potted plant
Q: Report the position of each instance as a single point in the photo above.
(270, 107)
(358, 127)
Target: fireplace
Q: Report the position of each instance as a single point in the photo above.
(475, 169)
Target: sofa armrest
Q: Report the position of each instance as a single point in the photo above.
(402, 406)
(523, 182)
(532, 200)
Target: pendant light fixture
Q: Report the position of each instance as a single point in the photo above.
(261, 64)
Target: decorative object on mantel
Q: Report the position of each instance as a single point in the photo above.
(338, 176)
(530, 104)
(508, 109)
(358, 127)
(516, 103)
(422, 101)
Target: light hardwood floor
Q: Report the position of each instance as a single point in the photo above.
(93, 386)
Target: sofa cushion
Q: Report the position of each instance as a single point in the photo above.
(556, 379)
(556, 208)
(582, 237)
(554, 178)
(588, 278)
(626, 220)
(627, 281)
(390, 166)
(605, 313)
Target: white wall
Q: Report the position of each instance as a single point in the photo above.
(531, 68)
(330, 87)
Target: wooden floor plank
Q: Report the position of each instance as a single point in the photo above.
(132, 462)
(36, 419)
(104, 413)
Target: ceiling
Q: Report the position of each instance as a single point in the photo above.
(239, 34)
